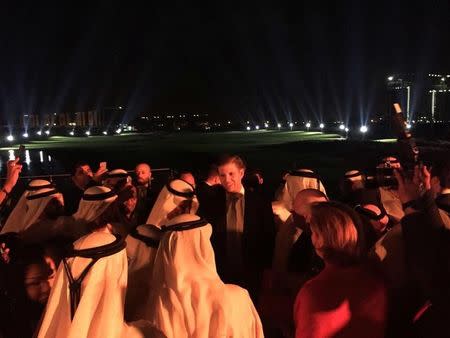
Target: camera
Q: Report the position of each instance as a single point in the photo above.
(380, 177)
(408, 152)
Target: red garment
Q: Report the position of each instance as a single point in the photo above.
(346, 302)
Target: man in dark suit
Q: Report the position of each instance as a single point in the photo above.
(243, 227)
(146, 193)
(440, 188)
(207, 189)
(426, 234)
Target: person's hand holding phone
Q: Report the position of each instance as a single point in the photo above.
(13, 169)
(102, 169)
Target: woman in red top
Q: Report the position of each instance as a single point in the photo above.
(346, 299)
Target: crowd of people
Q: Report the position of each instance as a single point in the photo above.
(107, 254)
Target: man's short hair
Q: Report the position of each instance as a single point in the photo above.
(77, 165)
(143, 164)
(311, 193)
(442, 170)
(225, 159)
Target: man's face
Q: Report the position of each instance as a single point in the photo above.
(435, 186)
(37, 282)
(231, 177)
(184, 207)
(130, 203)
(143, 174)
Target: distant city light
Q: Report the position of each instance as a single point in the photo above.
(346, 130)
(363, 129)
(72, 133)
(248, 128)
(408, 126)
(39, 132)
(321, 126)
(130, 128)
(390, 78)
(25, 135)
(12, 157)
(291, 124)
(41, 156)
(105, 132)
(10, 138)
(266, 125)
(118, 131)
(257, 127)
(308, 125)
(88, 133)
(443, 79)
(47, 132)
(341, 127)
(27, 157)
(120, 107)
(279, 125)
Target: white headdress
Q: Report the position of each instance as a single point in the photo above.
(37, 201)
(94, 202)
(99, 312)
(169, 198)
(297, 181)
(189, 298)
(15, 219)
(112, 177)
(142, 245)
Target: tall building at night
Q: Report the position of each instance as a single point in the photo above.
(439, 97)
(424, 98)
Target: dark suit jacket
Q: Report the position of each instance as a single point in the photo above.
(206, 194)
(259, 229)
(427, 249)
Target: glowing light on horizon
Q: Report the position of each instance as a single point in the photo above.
(27, 157)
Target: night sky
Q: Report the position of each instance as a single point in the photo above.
(309, 59)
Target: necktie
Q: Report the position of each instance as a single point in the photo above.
(234, 232)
